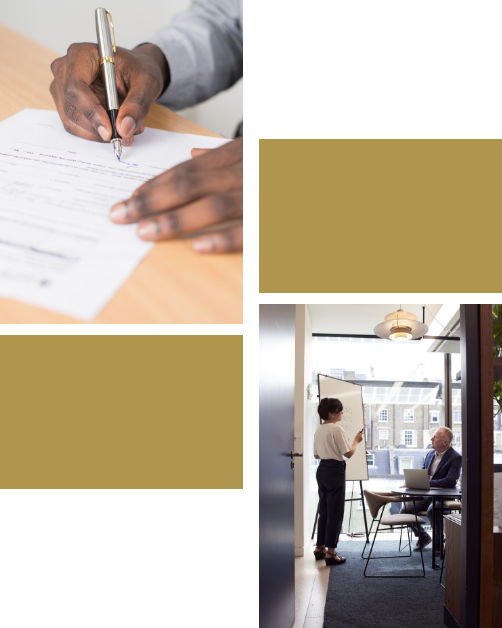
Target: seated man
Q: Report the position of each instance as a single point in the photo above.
(443, 464)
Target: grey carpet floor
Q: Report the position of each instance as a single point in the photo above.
(355, 601)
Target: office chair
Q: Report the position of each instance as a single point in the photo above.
(376, 503)
(392, 498)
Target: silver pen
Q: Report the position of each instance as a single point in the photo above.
(107, 63)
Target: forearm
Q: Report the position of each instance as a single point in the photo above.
(352, 451)
(448, 482)
(203, 48)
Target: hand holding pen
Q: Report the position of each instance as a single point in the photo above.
(79, 92)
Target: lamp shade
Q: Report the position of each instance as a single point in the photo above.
(401, 326)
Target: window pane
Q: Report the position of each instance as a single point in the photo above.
(456, 402)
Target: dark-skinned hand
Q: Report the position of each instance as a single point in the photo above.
(79, 93)
(190, 197)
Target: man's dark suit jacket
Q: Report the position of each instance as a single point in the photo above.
(448, 470)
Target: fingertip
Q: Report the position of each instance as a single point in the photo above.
(196, 152)
(104, 133)
(126, 125)
(203, 245)
(227, 241)
(127, 141)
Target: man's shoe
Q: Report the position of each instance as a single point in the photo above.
(421, 543)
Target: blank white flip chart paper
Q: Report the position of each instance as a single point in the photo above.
(58, 248)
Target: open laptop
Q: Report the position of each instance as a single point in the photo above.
(418, 478)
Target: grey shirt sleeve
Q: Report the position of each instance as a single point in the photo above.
(203, 47)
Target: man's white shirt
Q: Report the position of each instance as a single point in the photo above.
(435, 463)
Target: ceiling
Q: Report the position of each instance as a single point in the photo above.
(360, 319)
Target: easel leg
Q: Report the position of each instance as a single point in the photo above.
(349, 533)
(364, 512)
(315, 522)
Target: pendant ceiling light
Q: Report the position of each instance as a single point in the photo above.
(401, 326)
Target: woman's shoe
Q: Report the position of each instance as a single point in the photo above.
(332, 560)
(319, 555)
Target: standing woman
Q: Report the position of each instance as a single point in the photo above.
(331, 445)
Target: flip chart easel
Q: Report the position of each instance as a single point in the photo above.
(353, 421)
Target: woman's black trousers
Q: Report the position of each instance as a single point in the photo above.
(331, 483)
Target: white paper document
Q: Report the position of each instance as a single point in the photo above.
(58, 248)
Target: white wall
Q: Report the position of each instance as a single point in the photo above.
(303, 431)
(58, 23)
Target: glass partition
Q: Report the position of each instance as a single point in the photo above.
(497, 387)
(456, 402)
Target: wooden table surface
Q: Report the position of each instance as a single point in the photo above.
(173, 284)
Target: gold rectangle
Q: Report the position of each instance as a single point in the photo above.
(384, 215)
(121, 412)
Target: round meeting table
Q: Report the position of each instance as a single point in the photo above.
(439, 494)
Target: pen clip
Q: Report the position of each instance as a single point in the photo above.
(114, 47)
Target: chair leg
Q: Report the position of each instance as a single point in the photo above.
(366, 542)
(371, 549)
(378, 557)
(409, 540)
(422, 557)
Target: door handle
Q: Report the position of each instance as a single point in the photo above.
(293, 454)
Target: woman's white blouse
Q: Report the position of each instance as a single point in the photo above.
(330, 442)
